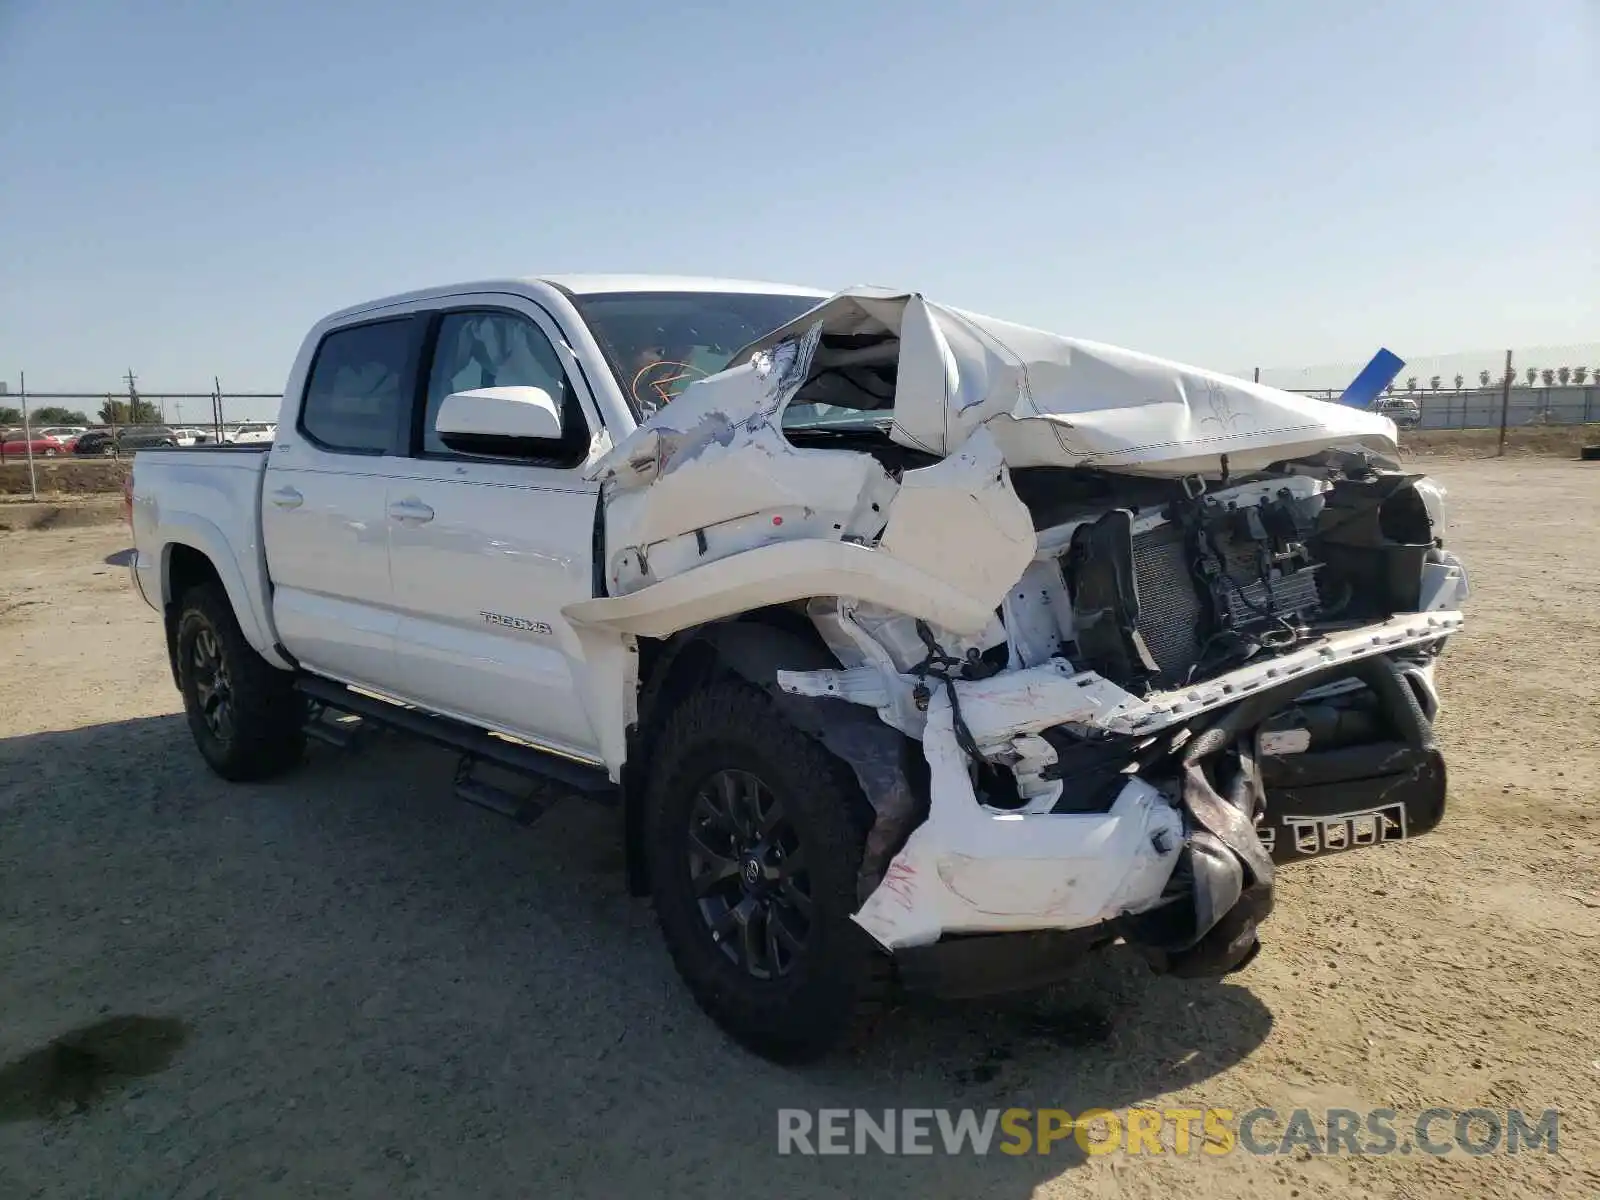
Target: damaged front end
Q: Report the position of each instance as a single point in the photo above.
(1155, 630)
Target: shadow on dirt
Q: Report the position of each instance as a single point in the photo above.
(76, 1070)
(122, 558)
(370, 961)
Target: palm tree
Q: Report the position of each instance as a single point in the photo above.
(1411, 383)
(1459, 381)
(1548, 376)
(1483, 379)
(1434, 383)
(1533, 374)
(1580, 375)
(1563, 374)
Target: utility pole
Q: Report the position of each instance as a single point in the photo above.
(27, 435)
(133, 396)
(1505, 404)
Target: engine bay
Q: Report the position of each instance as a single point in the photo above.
(1211, 580)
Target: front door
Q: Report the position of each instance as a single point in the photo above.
(485, 552)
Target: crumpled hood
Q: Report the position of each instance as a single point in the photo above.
(1051, 400)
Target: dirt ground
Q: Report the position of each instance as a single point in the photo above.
(1555, 441)
(64, 476)
(346, 983)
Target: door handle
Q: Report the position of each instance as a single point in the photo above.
(411, 510)
(287, 497)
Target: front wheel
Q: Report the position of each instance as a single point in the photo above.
(755, 835)
(246, 717)
(50, 453)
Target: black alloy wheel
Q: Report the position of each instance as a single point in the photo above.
(212, 684)
(754, 834)
(748, 869)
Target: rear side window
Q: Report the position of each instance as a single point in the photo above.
(358, 387)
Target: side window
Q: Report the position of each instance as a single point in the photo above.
(358, 387)
(499, 349)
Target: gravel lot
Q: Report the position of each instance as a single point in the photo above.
(346, 983)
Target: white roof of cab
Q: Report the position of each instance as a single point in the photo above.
(587, 285)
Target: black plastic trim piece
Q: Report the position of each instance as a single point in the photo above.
(458, 735)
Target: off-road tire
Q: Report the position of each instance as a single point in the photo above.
(841, 977)
(268, 715)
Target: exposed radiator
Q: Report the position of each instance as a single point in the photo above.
(1170, 611)
(1251, 602)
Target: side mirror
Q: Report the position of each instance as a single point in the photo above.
(509, 422)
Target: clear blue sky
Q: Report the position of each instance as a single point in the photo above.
(186, 186)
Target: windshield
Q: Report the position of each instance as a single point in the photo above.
(657, 343)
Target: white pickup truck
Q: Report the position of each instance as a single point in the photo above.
(258, 433)
(912, 645)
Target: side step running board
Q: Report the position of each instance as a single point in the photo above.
(469, 740)
(524, 807)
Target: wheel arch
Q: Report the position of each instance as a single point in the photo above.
(182, 567)
(672, 668)
(754, 647)
(193, 550)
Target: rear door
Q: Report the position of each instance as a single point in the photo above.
(324, 518)
(484, 552)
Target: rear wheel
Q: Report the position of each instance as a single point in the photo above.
(754, 836)
(245, 715)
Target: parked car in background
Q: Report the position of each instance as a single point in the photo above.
(126, 440)
(63, 433)
(256, 433)
(145, 437)
(1402, 410)
(96, 441)
(17, 442)
(187, 435)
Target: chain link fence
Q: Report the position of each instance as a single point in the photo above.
(203, 412)
(1479, 408)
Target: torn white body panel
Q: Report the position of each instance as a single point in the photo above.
(776, 574)
(1051, 400)
(967, 869)
(712, 475)
(965, 500)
